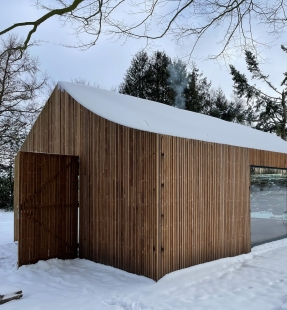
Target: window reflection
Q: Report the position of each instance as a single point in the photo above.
(268, 202)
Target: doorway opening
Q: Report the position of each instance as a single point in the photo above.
(268, 204)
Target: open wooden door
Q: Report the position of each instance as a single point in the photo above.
(46, 206)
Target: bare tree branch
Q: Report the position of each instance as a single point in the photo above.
(154, 19)
(20, 85)
(39, 21)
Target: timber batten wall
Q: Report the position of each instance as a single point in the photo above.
(151, 203)
(118, 182)
(205, 210)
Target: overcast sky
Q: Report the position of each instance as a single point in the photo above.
(107, 62)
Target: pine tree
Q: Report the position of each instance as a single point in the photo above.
(147, 78)
(6, 186)
(197, 92)
(158, 89)
(201, 98)
(135, 82)
(270, 109)
(231, 111)
(159, 79)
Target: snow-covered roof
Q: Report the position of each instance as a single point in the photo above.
(160, 118)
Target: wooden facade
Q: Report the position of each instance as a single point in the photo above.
(151, 203)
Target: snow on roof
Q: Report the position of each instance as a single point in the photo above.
(159, 118)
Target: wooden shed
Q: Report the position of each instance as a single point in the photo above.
(160, 188)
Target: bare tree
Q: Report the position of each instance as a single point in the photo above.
(236, 21)
(20, 86)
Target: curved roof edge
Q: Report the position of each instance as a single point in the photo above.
(159, 118)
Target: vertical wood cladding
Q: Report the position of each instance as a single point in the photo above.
(205, 202)
(118, 195)
(150, 203)
(46, 206)
(118, 182)
(267, 159)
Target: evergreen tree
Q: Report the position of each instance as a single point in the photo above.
(197, 92)
(135, 80)
(231, 111)
(270, 109)
(158, 89)
(159, 79)
(147, 78)
(6, 186)
(201, 98)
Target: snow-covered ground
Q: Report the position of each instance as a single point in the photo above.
(265, 215)
(6, 227)
(257, 280)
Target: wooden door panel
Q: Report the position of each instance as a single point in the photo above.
(46, 206)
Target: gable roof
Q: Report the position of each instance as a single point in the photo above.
(159, 118)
